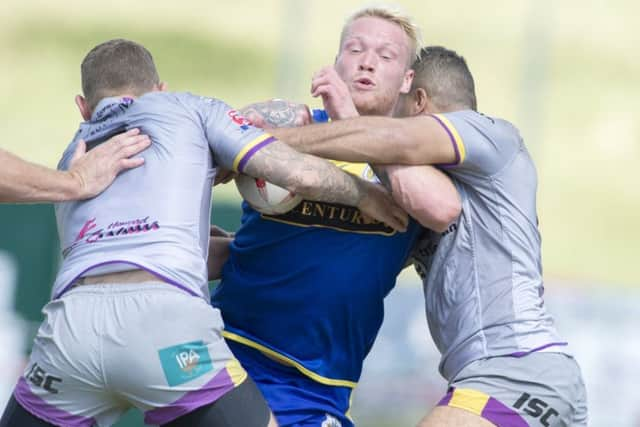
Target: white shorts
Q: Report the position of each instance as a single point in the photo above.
(105, 348)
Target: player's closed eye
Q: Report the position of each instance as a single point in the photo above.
(387, 56)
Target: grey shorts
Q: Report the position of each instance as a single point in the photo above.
(105, 348)
(539, 389)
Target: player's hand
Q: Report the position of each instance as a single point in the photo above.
(95, 171)
(378, 204)
(277, 113)
(255, 113)
(334, 92)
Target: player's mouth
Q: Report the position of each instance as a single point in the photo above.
(364, 83)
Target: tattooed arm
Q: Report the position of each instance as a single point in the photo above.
(418, 140)
(424, 192)
(277, 113)
(317, 179)
(309, 176)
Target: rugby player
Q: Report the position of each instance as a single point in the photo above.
(89, 174)
(129, 323)
(504, 360)
(302, 293)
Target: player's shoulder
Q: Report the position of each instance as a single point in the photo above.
(476, 118)
(490, 127)
(184, 98)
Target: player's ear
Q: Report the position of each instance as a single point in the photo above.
(420, 101)
(162, 87)
(83, 106)
(406, 81)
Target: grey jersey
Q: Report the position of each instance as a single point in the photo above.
(483, 276)
(155, 217)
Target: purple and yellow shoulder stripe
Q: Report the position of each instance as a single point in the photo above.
(456, 140)
(250, 149)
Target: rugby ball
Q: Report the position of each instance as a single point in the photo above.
(265, 197)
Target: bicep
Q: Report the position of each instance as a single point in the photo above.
(425, 192)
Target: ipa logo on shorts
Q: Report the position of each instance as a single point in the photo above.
(184, 362)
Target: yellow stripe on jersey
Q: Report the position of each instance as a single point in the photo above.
(236, 372)
(362, 170)
(286, 361)
(456, 137)
(471, 400)
(348, 413)
(247, 148)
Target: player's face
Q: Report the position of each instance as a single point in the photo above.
(373, 61)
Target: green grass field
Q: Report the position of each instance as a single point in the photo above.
(578, 112)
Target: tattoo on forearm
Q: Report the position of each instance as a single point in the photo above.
(276, 113)
(313, 178)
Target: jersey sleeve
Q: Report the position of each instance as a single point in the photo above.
(483, 145)
(232, 138)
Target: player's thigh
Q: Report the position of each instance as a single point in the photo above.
(242, 406)
(175, 360)
(539, 390)
(445, 416)
(62, 382)
(16, 415)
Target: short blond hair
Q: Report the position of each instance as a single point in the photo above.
(394, 15)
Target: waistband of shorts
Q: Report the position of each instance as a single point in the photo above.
(116, 288)
(137, 275)
(454, 363)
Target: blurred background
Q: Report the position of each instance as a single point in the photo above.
(567, 73)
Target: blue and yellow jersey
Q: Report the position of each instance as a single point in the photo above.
(307, 287)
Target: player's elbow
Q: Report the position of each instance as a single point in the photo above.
(436, 218)
(436, 214)
(428, 201)
(445, 214)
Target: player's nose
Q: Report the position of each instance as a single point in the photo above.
(367, 62)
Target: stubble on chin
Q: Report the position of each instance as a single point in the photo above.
(374, 109)
(374, 106)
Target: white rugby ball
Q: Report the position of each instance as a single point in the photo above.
(266, 197)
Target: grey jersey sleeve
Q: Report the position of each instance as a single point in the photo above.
(232, 138)
(484, 145)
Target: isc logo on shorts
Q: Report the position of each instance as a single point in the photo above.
(184, 362)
